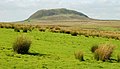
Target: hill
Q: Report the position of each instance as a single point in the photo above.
(58, 14)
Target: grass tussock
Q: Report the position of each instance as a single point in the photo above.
(42, 29)
(25, 29)
(22, 44)
(67, 31)
(74, 33)
(104, 52)
(17, 29)
(94, 48)
(57, 28)
(79, 55)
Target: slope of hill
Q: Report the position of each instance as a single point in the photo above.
(58, 14)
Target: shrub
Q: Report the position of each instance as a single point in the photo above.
(104, 52)
(22, 44)
(93, 48)
(79, 55)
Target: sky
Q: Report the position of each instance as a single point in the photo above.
(17, 10)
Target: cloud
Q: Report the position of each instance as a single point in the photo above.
(13, 10)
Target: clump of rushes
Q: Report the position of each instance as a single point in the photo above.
(79, 55)
(2, 26)
(42, 29)
(67, 31)
(62, 31)
(74, 33)
(30, 29)
(94, 48)
(104, 52)
(57, 28)
(17, 29)
(22, 44)
(25, 29)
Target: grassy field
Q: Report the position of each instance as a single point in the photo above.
(53, 51)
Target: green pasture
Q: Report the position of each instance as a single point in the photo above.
(53, 51)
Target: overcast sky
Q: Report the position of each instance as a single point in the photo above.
(17, 10)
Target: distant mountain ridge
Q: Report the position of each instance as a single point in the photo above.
(57, 14)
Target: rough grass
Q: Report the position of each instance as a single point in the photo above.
(17, 29)
(118, 57)
(94, 32)
(104, 52)
(93, 48)
(22, 44)
(53, 51)
(79, 55)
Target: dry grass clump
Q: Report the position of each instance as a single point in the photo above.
(37, 26)
(1, 25)
(42, 29)
(104, 52)
(22, 44)
(30, 29)
(17, 29)
(57, 28)
(61, 31)
(25, 29)
(67, 31)
(74, 33)
(79, 55)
